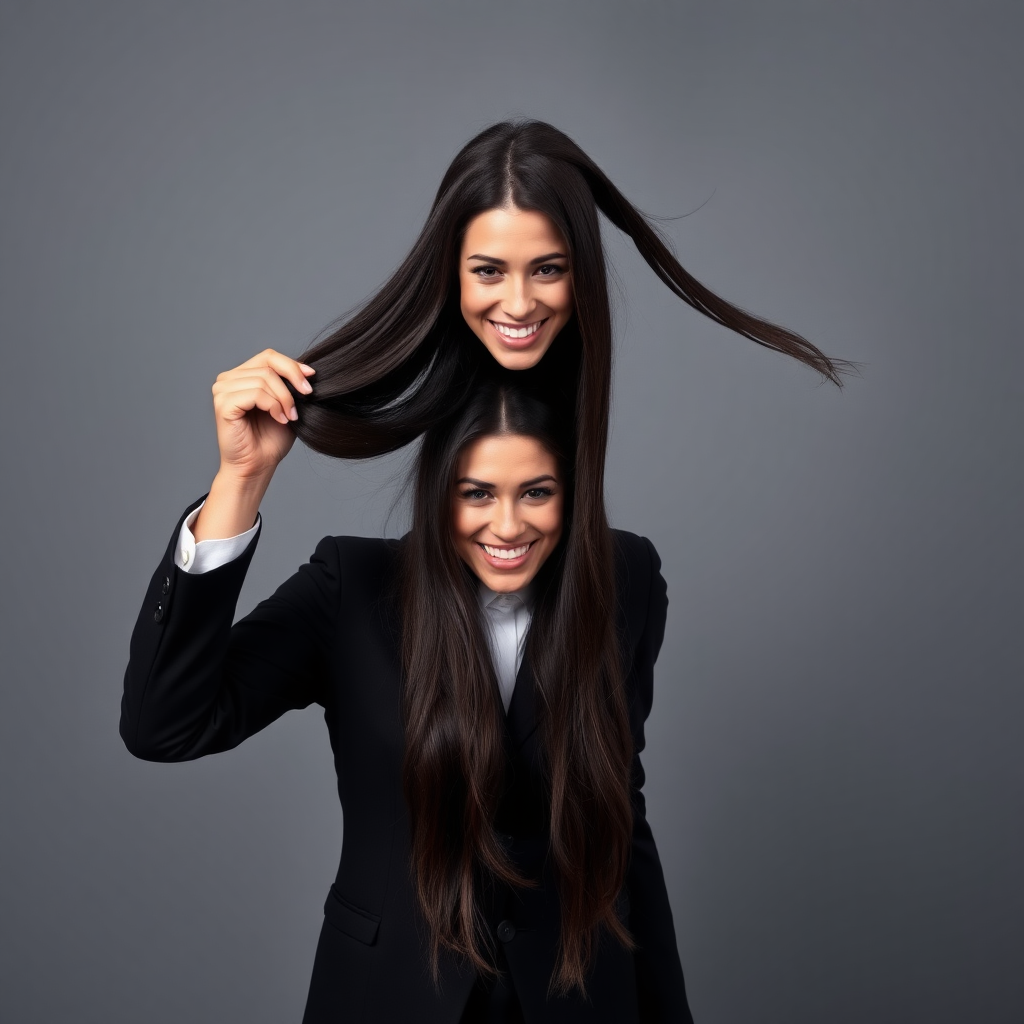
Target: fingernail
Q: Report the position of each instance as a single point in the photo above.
(305, 386)
(293, 414)
(306, 369)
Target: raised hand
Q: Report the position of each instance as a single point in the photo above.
(253, 409)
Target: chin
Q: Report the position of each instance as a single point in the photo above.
(514, 359)
(501, 582)
(518, 360)
(505, 584)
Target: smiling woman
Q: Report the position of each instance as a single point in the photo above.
(497, 858)
(560, 828)
(507, 509)
(517, 300)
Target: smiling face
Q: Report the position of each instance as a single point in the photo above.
(507, 507)
(515, 284)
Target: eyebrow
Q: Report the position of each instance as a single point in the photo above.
(502, 263)
(526, 483)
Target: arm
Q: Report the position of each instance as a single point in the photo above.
(201, 556)
(661, 992)
(195, 684)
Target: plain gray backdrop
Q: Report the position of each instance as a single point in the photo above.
(834, 762)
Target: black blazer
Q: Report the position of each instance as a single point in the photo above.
(197, 684)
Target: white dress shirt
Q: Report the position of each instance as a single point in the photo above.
(207, 555)
(506, 617)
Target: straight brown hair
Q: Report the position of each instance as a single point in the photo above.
(455, 757)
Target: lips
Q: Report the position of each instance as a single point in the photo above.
(515, 336)
(506, 553)
(506, 557)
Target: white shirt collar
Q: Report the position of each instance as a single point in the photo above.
(487, 597)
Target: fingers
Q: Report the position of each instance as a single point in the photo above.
(259, 383)
(235, 396)
(292, 370)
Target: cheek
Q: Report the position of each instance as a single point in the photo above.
(552, 527)
(465, 525)
(469, 296)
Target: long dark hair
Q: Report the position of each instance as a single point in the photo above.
(454, 757)
(407, 356)
(396, 369)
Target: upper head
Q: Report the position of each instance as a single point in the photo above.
(518, 188)
(517, 196)
(517, 193)
(493, 486)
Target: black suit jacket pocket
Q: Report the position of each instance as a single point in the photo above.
(355, 922)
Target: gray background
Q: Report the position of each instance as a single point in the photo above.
(835, 777)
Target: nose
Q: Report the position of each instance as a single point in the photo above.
(507, 525)
(518, 302)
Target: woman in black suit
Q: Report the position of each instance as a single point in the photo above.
(493, 864)
(497, 864)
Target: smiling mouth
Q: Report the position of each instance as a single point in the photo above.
(517, 333)
(508, 554)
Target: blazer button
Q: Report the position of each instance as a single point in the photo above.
(506, 931)
(165, 586)
(158, 612)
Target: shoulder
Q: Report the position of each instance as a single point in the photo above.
(636, 562)
(370, 557)
(362, 547)
(352, 577)
(641, 592)
(342, 563)
(632, 545)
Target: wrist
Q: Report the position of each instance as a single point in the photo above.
(231, 506)
(231, 481)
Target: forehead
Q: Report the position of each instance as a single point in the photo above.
(504, 231)
(508, 458)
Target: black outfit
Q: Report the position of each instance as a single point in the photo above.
(195, 685)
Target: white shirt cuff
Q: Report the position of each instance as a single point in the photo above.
(206, 555)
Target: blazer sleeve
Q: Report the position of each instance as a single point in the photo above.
(195, 684)
(661, 991)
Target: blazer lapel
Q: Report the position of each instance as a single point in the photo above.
(521, 718)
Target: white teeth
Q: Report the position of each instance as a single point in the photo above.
(517, 332)
(506, 553)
